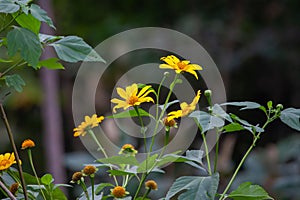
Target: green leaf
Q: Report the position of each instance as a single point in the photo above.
(207, 121)
(74, 49)
(147, 164)
(291, 117)
(51, 63)
(233, 127)
(246, 124)
(41, 15)
(5, 61)
(218, 111)
(8, 6)
(130, 113)
(47, 179)
(101, 186)
(170, 158)
(117, 172)
(195, 155)
(25, 41)
(29, 22)
(194, 187)
(168, 104)
(44, 38)
(119, 160)
(246, 191)
(244, 104)
(15, 81)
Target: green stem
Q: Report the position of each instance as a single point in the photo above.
(205, 146)
(93, 187)
(83, 186)
(102, 150)
(146, 194)
(142, 129)
(217, 152)
(144, 176)
(163, 110)
(34, 172)
(11, 138)
(256, 137)
(10, 195)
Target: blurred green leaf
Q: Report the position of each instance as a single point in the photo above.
(5, 61)
(15, 81)
(207, 121)
(29, 22)
(8, 6)
(25, 41)
(47, 179)
(147, 164)
(119, 160)
(41, 15)
(291, 117)
(74, 49)
(246, 191)
(51, 63)
(194, 187)
(244, 104)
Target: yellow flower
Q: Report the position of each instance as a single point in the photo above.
(151, 184)
(119, 192)
(89, 123)
(27, 144)
(185, 108)
(7, 160)
(128, 149)
(132, 97)
(172, 62)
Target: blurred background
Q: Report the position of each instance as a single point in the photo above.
(255, 44)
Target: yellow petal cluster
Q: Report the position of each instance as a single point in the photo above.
(172, 62)
(131, 96)
(89, 123)
(185, 108)
(7, 160)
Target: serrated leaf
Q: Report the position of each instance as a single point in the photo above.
(119, 160)
(8, 6)
(41, 15)
(291, 117)
(244, 104)
(246, 191)
(194, 187)
(29, 22)
(74, 49)
(47, 179)
(131, 113)
(25, 41)
(51, 63)
(15, 81)
(101, 186)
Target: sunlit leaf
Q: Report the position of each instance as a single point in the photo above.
(74, 49)
(246, 191)
(232, 127)
(291, 117)
(29, 22)
(15, 81)
(25, 41)
(51, 63)
(194, 187)
(47, 179)
(41, 15)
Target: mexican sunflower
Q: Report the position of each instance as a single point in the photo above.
(89, 123)
(7, 160)
(185, 108)
(172, 62)
(132, 97)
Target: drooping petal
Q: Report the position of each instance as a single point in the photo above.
(122, 93)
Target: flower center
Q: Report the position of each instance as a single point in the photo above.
(132, 100)
(4, 162)
(181, 65)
